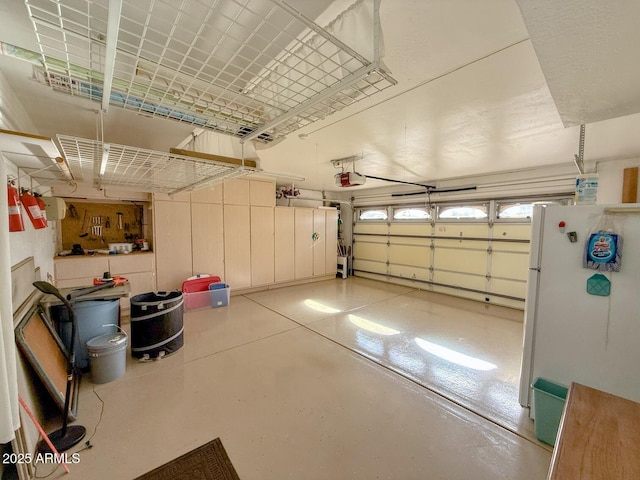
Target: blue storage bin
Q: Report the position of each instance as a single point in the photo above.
(220, 293)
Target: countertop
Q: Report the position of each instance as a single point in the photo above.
(107, 255)
(599, 437)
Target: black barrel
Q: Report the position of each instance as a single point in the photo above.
(156, 324)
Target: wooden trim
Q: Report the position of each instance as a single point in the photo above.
(214, 158)
(27, 135)
(630, 185)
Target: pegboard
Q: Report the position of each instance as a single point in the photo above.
(95, 225)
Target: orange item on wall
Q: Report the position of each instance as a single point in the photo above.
(42, 205)
(15, 215)
(33, 210)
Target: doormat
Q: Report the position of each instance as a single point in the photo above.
(208, 462)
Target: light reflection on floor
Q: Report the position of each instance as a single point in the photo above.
(372, 326)
(453, 356)
(452, 346)
(319, 306)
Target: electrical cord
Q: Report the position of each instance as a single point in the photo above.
(85, 446)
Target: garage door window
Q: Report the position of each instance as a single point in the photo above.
(458, 212)
(411, 213)
(373, 214)
(523, 210)
(513, 211)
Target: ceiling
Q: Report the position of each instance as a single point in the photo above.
(482, 87)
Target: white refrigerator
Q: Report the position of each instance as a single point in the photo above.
(571, 335)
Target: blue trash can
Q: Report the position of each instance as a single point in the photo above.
(91, 318)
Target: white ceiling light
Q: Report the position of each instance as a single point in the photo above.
(113, 25)
(105, 159)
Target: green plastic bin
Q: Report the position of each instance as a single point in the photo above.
(549, 399)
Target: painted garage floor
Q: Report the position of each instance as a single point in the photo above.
(341, 379)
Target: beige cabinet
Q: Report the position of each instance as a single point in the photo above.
(178, 197)
(262, 246)
(319, 242)
(172, 224)
(137, 268)
(236, 191)
(249, 191)
(284, 254)
(237, 246)
(211, 194)
(262, 193)
(303, 234)
(315, 242)
(235, 231)
(79, 271)
(207, 238)
(325, 245)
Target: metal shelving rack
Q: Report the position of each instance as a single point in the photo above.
(254, 69)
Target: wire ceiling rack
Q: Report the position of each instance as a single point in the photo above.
(254, 69)
(144, 170)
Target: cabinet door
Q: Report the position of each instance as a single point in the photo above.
(178, 197)
(139, 269)
(284, 255)
(331, 243)
(207, 238)
(262, 193)
(237, 246)
(303, 242)
(141, 282)
(320, 242)
(236, 191)
(125, 264)
(172, 223)
(80, 267)
(212, 194)
(262, 246)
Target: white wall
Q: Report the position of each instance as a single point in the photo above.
(37, 243)
(610, 176)
(12, 114)
(307, 198)
(546, 180)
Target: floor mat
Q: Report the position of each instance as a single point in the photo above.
(208, 462)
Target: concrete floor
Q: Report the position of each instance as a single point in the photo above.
(342, 379)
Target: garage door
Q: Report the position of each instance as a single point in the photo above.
(476, 259)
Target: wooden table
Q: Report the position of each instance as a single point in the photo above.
(599, 437)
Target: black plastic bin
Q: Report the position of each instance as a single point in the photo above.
(156, 324)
